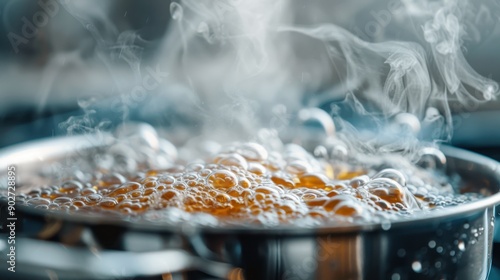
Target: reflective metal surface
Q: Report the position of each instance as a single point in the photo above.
(454, 243)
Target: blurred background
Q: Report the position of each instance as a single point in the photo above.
(54, 64)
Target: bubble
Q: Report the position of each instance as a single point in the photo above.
(43, 207)
(223, 179)
(298, 167)
(313, 180)
(359, 181)
(388, 190)
(62, 200)
(87, 191)
(338, 151)
(252, 152)
(70, 187)
(408, 122)
(268, 190)
(195, 167)
(282, 181)
(321, 152)
(108, 203)
(257, 168)
(78, 202)
(233, 159)
(38, 201)
(395, 276)
(416, 266)
(93, 198)
(315, 115)
(167, 149)
(54, 206)
(348, 209)
(222, 198)
(119, 156)
(246, 183)
(167, 179)
(432, 158)
(125, 188)
(112, 179)
(431, 115)
(393, 174)
(432, 244)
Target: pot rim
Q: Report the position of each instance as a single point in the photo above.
(38, 151)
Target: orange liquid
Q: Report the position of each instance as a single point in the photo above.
(242, 185)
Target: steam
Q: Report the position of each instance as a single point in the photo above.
(112, 47)
(232, 62)
(225, 45)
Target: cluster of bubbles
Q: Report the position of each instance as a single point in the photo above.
(248, 183)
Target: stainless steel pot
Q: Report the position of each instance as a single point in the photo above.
(453, 243)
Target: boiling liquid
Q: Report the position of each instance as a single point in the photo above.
(245, 183)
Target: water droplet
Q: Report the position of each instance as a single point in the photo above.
(437, 265)
(386, 225)
(416, 266)
(395, 276)
(432, 244)
(439, 249)
(461, 245)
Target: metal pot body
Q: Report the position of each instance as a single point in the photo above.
(454, 245)
(447, 249)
